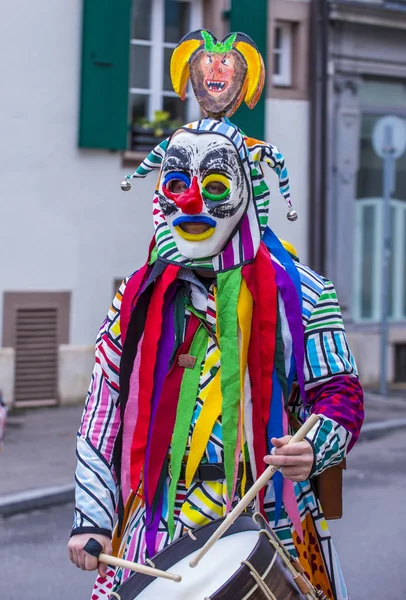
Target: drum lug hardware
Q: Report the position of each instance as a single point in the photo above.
(150, 563)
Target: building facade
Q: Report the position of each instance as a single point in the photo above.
(365, 79)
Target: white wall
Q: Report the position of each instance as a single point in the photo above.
(65, 223)
(7, 374)
(287, 126)
(75, 366)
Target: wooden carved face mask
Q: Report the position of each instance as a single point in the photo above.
(223, 74)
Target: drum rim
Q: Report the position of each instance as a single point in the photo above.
(180, 549)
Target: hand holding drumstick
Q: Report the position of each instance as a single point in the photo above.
(254, 490)
(295, 461)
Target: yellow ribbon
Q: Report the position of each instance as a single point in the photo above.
(244, 313)
(211, 398)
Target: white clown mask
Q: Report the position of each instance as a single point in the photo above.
(211, 204)
(203, 192)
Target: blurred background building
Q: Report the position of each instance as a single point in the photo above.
(85, 86)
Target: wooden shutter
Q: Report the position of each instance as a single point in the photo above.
(35, 324)
(253, 21)
(105, 74)
(36, 356)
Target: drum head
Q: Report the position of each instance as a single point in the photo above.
(219, 564)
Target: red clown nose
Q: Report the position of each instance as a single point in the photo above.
(190, 202)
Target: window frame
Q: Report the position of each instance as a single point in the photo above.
(398, 236)
(285, 51)
(157, 44)
(399, 260)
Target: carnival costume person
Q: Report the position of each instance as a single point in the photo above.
(211, 347)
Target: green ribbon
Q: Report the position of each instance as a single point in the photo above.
(187, 399)
(229, 284)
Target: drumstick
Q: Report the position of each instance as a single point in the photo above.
(94, 548)
(250, 495)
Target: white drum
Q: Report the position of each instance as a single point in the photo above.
(241, 565)
(214, 569)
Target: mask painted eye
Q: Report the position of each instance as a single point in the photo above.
(226, 61)
(216, 187)
(209, 60)
(176, 183)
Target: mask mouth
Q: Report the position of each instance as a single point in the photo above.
(216, 86)
(194, 228)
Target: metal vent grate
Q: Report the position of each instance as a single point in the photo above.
(400, 363)
(36, 347)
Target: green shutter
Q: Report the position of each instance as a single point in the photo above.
(105, 74)
(251, 18)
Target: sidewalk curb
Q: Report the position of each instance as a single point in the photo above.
(372, 431)
(26, 501)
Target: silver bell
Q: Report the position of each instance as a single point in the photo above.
(292, 215)
(126, 185)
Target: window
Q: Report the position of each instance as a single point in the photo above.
(282, 54)
(369, 235)
(157, 27)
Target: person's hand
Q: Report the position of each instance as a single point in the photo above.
(296, 460)
(86, 561)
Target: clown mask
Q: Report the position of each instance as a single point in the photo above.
(203, 192)
(222, 73)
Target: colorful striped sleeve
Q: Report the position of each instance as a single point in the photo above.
(330, 444)
(332, 387)
(327, 351)
(95, 504)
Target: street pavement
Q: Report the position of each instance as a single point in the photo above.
(34, 562)
(369, 538)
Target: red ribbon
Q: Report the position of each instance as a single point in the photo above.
(131, 294)
(260, 280)
(152, 333)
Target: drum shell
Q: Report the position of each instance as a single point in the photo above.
(278, 579)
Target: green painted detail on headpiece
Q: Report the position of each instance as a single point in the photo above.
(219, 47)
